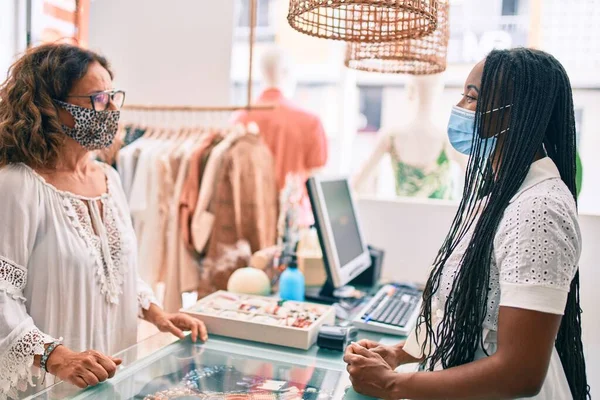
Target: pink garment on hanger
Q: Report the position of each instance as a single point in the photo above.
(295, 137)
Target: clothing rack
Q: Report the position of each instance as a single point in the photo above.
(151, 107)
(248, 106)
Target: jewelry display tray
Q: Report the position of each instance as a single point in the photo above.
(229, 325)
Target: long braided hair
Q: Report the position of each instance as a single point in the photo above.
(540, 116)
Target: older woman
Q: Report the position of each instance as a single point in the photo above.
(70, 293)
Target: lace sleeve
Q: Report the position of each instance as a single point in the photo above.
(537, 249)
(145, 297)
(20, 339)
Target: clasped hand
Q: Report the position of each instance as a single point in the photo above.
(83, 369)
(371, 367)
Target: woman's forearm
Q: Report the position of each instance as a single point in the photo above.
(488, 378)
(153, 313)
(403, 357)
(37, 359)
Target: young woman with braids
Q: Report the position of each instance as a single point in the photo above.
(501, 315)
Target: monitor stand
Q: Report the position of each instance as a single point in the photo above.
(327, 294)
(322, 294)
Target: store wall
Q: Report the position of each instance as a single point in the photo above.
(174, 53)
(588, 101)
(411, 233)
(8, 35)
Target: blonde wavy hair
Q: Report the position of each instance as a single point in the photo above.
(30, 130)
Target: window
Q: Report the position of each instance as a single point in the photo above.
(265, 25)
(510, 7)
(263, 9)
(370, 101)
(578, 123)
(354, 106)
(53, 21)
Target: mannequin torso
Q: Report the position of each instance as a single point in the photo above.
(420, 152)
(418, 144)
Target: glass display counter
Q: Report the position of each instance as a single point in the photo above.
(161, 368)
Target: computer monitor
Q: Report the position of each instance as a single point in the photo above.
(345, 253)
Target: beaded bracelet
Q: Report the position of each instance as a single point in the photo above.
(51, 347)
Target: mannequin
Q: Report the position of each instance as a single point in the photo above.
(276, 70)
(424, 162)
(295, 136)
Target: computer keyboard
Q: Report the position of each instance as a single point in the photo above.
(393, 310)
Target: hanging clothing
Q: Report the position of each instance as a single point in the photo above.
(245, 210)
(177, 177)
(541, 220)
(412, 181)
(295, 137)
(160, 168)
(128, 157)
(147, 206)
(203, 219)
(68, 268)
(132, 133)
(181, 270)
(191, 186)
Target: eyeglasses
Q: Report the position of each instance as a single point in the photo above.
(101, 100)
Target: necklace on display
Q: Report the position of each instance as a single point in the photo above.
(251, 388)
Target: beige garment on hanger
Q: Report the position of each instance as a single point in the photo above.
(202, 221)
(245, 206)
(181, 268)
(191, 188)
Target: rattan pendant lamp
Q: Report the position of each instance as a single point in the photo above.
(366, 21)
(423, 56)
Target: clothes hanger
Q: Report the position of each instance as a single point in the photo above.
(199, 132)
(150, 128)
(237, 130)
(183, 130)
(165, 133)
(252, 128)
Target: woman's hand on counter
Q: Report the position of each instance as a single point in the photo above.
(394, 356)
(84, 369)
(179, 322)
(176, 323)
(370, 374)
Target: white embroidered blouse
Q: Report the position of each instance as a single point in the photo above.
(65, 271)
(536, 254)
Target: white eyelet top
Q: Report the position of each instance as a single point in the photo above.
(536, 254)
(65, 271)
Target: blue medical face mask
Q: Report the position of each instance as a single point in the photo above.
(460, 131)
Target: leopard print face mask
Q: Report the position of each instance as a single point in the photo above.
(94, 130)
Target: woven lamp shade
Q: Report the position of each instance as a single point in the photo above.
(424, 56)
(367, 21)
